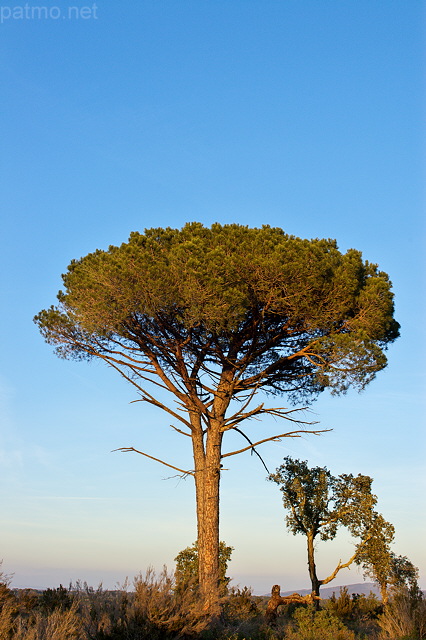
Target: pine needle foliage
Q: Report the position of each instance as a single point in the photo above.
(253, 295)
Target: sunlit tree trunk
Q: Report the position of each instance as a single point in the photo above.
(311, 565)
(384, 592)
(207, 480)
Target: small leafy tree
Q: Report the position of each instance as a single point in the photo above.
(199, 320)
(386, 568)
(319, 503)
(186, 572)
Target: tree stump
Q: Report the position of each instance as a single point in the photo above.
(276, 600)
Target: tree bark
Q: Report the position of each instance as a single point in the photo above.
(312, 568)
(207, 480)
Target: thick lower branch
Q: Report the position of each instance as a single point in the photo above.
(338, 568)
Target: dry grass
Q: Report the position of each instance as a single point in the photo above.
(156, 610)
(165, 609)
(58, 625)
(404, 617)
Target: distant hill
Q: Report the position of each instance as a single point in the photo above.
(327, 592)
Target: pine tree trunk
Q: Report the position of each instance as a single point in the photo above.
(207, 480)
(207, 447)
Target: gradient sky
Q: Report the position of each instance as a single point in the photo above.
(302, 114)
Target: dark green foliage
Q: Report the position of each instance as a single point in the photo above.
(319, 502)
(404, 574)
(343, 606)
(58, 598)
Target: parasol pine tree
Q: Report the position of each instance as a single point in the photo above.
(215, 315)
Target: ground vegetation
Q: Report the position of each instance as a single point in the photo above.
(152, 609)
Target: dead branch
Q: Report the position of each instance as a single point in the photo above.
(290, 434)
(180, 431)
(278, 412)
(181, 476)
(127, 449)
(253, 449)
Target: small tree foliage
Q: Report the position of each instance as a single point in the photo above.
(386, 568)
(186, 572)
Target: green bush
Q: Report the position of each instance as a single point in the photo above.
(357, 607)
(317, 625)
(239, 605)
(52, 599)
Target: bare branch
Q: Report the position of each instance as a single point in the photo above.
(147, 397)
(253, 449)
(290, 434)
(127, 449)
(180, 431)
(338, 568)
(181, 476)
(349, 562)
(231, 423)
(278, 412)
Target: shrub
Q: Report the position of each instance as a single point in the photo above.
(104, 613)
(52, 599)
(159, 610)
(404, 616)
(342, 607)
(58, 625)
(186, 572)
(356, 607)
(317, 625)
(239, 605)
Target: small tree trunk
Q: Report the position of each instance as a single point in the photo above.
(384, 592)
(312, 568)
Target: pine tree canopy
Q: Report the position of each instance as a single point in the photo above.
(281, 313)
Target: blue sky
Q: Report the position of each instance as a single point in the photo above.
(300, 114)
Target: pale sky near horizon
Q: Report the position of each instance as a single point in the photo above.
(307, 115)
